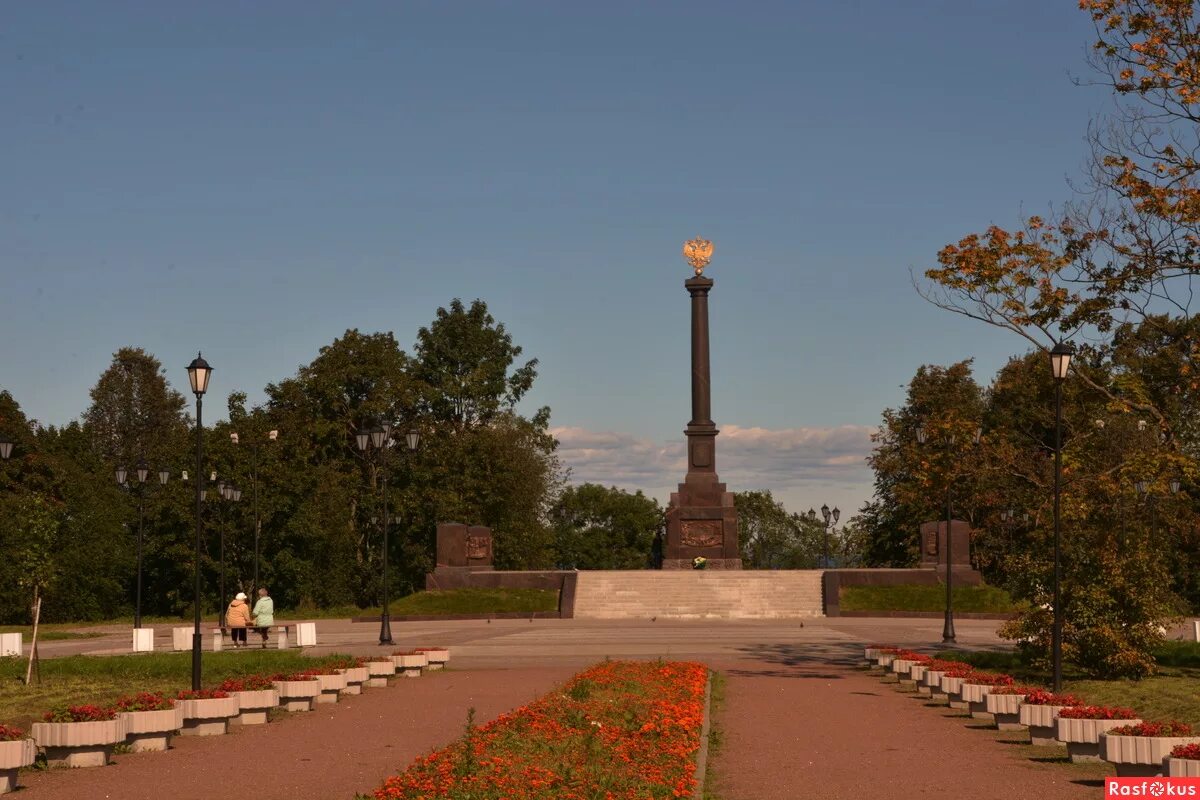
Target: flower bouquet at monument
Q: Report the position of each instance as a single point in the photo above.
(699, 562)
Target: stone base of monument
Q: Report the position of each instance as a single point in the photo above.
(709, 563)
(698, 594)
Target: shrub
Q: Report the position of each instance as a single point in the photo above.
(144, 701)
(1188, 751)
(247, 683)
(1098, 712)
(1113, 608)
(202, 694)
(85, 713)
(1172, 728)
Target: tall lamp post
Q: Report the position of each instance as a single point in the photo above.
(948, 635)
(380, 437)
(198, 374)
(142, 472)
(831, 519)
(1060, 362)
(230, 493)
(6, 447)
(271, 436)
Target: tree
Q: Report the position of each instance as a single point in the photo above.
(597, 527)
(911, 479)
(772, 538)
(134, 412)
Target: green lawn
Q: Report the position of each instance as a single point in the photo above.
(978, 599)
(48, 633)
(478, 601)
(102, 679)
(1173, 693)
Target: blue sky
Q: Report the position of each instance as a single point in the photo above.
(253, 179)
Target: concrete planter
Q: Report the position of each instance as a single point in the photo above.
(379, 672)
(438, 656)
(331, 685)
(209, 717)
(254, 705)
(885, 659)
(151, 731)
(953, 689)
(1006, 710)
(355, 678)
(1040, 721)
(410, 666)
(931, 684)
(1181, 767)
(1082, 736)
(14, 755)
(869, 654)
(916, 673)
(297, 695)
(975, 696)
(79, 744)
(1140, 756)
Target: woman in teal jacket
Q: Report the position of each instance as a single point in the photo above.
(264, 614)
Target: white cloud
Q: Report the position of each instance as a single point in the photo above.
(794, 463)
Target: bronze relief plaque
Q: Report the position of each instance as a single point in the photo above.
(702, 454)
(931, 542)
(702, 533)
(479, 547)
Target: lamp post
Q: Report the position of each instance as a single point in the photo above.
(948, 635)
(199, 373)
(272, 435)
(1060, 362)
(6, 447)
(142, 471)
(831, 519)
(380, 437)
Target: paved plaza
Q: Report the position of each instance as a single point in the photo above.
(801, 719)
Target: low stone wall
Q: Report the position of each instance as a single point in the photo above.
(561, 581)
(835, 579)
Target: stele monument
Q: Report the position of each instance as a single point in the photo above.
(701, 519)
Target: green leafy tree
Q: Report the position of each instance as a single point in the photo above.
(598, 527)
(772, 538)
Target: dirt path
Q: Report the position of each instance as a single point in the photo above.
(328, 754)
(823, 731)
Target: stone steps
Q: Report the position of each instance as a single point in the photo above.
(697, 594)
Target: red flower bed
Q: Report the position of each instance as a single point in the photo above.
(10, 734)
(86, 713)
(202, 694)
(989, 679)
(1015, 689)
(951, 668)
(408, 652)
(1172, 728)
(1188, 751)
(1098, 712)
(247, 683)
(345, 662)
(1041, 697)
(621, 730)
(294, 676)
(144, 701)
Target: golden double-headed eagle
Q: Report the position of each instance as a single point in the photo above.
(698, 252)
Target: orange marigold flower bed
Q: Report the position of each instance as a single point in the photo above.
(622, 730)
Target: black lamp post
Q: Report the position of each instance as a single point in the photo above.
(831, 519)
(948, 635)
(271, 436)
(198, 374)
(1060, 362)
(6, 447)
(142, 471)
(380, 437)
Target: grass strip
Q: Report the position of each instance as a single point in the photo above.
(981, 599)
(621, 730)
(100, 680)
(1172, 693)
